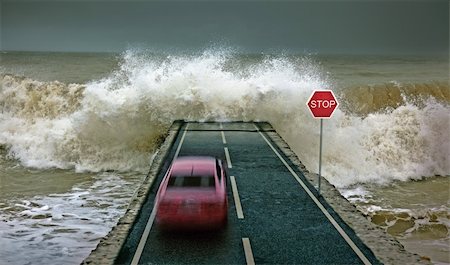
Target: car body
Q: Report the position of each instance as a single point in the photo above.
(192, 195)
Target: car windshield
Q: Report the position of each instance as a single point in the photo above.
(191, 181)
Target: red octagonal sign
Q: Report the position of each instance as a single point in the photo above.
(322, 103)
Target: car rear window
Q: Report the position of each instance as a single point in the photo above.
(191, 181)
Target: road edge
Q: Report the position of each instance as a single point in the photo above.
(384, 246)
(109, 246)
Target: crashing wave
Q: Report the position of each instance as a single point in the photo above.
(117, 122)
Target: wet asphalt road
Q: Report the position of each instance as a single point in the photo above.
(281, 221)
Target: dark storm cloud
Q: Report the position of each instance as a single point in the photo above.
(254, 26)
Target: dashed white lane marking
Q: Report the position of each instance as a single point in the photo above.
(237, 201)
(248, 251)
(227, 155)
(148, 226)
(321, 207)
(224, 141)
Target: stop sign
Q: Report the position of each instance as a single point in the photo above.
(322, 103)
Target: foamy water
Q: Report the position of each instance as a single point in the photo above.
(116, 122)
(62, 228)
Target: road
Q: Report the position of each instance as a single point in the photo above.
(274, 216)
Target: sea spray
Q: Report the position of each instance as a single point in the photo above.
(116, 123)
(391, 127)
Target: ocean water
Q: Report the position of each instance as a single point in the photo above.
(78, 131)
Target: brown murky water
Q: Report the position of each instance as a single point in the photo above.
(419, 217)
(72, 156)
(57, 216)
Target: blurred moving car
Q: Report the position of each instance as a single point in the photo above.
(193, 195)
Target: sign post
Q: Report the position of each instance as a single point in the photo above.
(322, 104)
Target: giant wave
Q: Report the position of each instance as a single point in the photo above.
(116, 123)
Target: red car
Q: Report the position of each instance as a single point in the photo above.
(193, 195)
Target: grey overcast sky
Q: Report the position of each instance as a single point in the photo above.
(346, 27)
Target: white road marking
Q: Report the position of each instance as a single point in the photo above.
(224, 141)
(148, 226)
(248, 251)
(227, 155)
(181, 141)
(237, 201)
(221, 126)
(317, 202)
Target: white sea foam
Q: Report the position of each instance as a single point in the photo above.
(63, 228)
(117, 121)
(408, 142)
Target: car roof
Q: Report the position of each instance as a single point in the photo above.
(194, 166)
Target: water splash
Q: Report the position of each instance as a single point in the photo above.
(117, 122)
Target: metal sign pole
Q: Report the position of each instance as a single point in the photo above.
(322, 104)
(320, 154)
